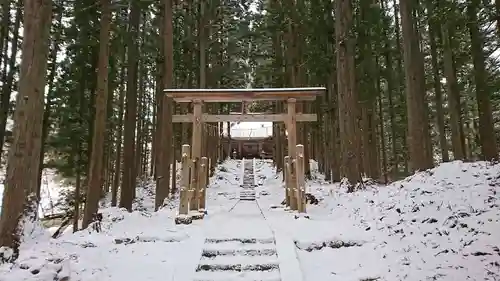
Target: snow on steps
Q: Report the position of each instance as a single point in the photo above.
(239, 259)
(247, 195)
(248, 185)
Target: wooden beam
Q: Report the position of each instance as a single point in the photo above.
(185, 180)
(291, 127)
(196, 155)
(239, 95)
(213, 118)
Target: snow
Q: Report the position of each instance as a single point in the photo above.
(249, 129)
(441, 224)
(433, 225)
(52, 188)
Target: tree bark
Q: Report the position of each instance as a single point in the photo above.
(347, 95)
(434, 40)
(165, 150)
(51, 81)
(389, 77)
(456, 122)
(489, 149)
(119, 137)
(128, 181)
(401, 126)
(95, 180)
(20, 202)
(418, 126)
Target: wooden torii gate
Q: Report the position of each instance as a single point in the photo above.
(194, 175)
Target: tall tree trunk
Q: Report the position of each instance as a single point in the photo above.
(278, 82)
(383, 153)
(456, 123)
(20, 202)
(389, 77)
(401, 128)
(158, 144)
(50, 97)
(95, 181)
(128, 181)
(335, 153)
(371, 165)
(165, 150)
(333, 148)
(78, 185)
(418, 125)
(79, 153)
(347, 95)
(434, 40)
(119, 133)
(110, 132)
(489, 149)
(140, 119)
(154, 130)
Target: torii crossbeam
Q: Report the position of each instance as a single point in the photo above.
(240, 95)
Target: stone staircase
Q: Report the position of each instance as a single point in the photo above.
(238, 259)
(248, 185)
(240, 246)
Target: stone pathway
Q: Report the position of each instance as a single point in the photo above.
(248, 185)
(239, 244)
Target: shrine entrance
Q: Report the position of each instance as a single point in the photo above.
(195, 166)
(248, 140)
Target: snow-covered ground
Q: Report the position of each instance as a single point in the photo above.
(54, 191)
(51, 191)
(442, 224)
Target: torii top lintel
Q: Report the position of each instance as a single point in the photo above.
(238, 95)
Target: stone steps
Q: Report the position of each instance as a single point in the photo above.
(238, 259)
(248, 185)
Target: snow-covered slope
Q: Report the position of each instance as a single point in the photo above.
(51, 191)
(54, 191)
(437, 225)
(142, 245)
(443, 224)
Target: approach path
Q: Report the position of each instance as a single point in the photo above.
(240, 244)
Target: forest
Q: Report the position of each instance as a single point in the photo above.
(410, 84)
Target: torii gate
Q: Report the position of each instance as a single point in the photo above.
(194, 177)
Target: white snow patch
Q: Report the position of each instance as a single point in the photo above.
(52, 188)
(441, 224)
